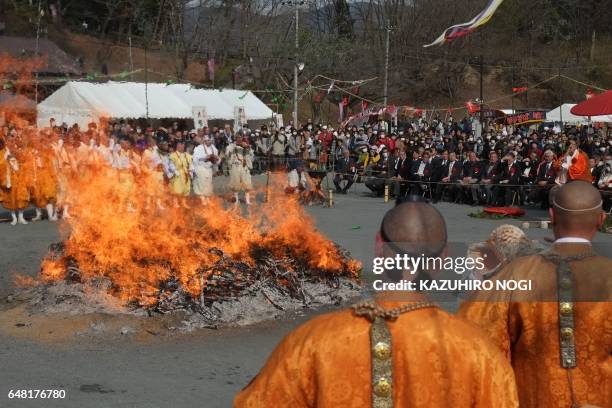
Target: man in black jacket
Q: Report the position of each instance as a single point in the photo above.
(421, 175)
(472, 174)
(488, 189)
(346, 169)
(511, 176)
(450, 174)
(401, 174)
(545, 180)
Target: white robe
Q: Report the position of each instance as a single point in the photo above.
(203, 169)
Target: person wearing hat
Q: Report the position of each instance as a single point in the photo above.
(204, 162)
(180, 183)
(240, 159)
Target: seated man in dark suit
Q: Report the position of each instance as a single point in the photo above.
(380, 173)
(401, 174)
(511, 176)
(422, 175)
(488, 189)
(545, 180)
(346, 169)
(471, 175)
(450, 173)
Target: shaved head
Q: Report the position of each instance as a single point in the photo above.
(414, 228)
(576, 210)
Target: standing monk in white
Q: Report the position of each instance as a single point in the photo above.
(204, 163)
(240, 160)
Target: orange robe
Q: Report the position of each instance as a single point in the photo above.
(579, 169)
(17, 197)
(527, 331)
(44, 185)
(3, 173)
(438, 361)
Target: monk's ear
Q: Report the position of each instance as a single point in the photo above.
(601, 220)
(552, 215)
(378, 249)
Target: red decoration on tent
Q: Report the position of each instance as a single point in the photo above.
(449, 110)
(518, 89)
(600, 104)
(345, 101)
(418, 111)
(364, 105)
(472, 107)
(589, 93)
(319, 97)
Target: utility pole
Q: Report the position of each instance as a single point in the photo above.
(481, 93)
(295, 64)
(388, 29)
(560, 97)
(40, 13)
(130, 53)
(296, 4)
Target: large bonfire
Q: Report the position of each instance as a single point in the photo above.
(127, 242)
(168, 258)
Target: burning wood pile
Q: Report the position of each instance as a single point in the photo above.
(284, 283)
(215, 264)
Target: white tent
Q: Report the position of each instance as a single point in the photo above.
(84, 102)
(563, 113)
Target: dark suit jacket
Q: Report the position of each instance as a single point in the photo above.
(473, 170)
(492, 172)
(546, 174)
(511, 173)
(427, 171)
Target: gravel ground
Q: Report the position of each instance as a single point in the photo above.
(204, 368)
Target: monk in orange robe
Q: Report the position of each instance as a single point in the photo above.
(558, 336)
(17, 184)
(3, 169)
(44, 184)
(401, 352)
(574, 165)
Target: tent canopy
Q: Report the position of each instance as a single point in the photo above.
(84, 102)
(563, 113)
(597, 105)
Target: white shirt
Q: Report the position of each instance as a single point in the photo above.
(421, 168)
(201, 154)
(572, 240)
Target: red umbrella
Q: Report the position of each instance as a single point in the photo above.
(597, 105)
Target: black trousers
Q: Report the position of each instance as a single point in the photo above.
(338, 182)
